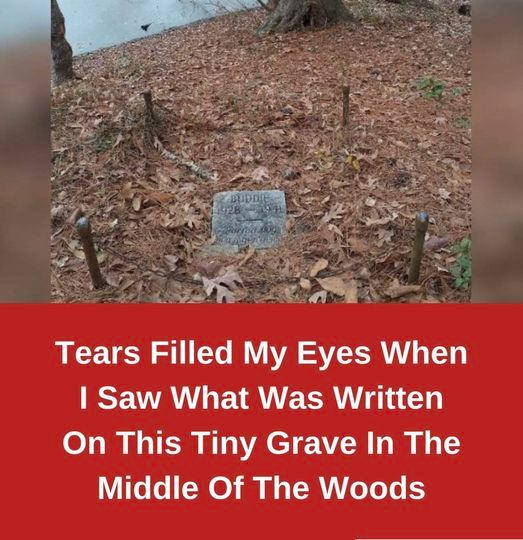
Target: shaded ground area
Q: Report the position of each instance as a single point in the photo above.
(264, 113)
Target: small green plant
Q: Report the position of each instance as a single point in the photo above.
(462, 270)
(457, 91)
(432, 88)
(462, 122)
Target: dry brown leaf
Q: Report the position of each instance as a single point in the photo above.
(113, 279)
(224, 286)
(318, 298)
(137, 203)
(336, 212)
(164, 180)
(384, 236)
(351, 292)
(357, 244)
(158, 196)
(435, 243)
(172, 262)
(260, 174)
(119, 139)
(128, 191)
(239, 176)
(329, 231)
(223, 294)
(334, 285)
(319, 265)
(397, 291)
(381, 221)
(305, 284)
(444, 194)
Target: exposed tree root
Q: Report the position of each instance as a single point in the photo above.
(299, 14)
(193, 167)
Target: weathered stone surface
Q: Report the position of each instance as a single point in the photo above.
(249, 218)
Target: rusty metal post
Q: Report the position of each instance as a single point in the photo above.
(83, 226)
(346, 106)
(422, 224)
(149, 118)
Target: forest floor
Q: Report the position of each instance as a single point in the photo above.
(264, 113)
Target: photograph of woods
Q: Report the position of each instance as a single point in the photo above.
(291, 151)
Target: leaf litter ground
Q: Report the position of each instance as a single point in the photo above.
(265, 113)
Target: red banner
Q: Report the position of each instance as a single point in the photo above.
(262, 421)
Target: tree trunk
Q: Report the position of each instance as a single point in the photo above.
(61, 50)
(299, 14)
(465, 9)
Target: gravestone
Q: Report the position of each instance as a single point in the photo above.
(249, 218)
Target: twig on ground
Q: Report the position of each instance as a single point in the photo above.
(193, 167)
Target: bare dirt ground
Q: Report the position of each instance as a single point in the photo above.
(264, 113)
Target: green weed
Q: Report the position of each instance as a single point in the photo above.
(462, 269)
(432, 88)
(462, 122)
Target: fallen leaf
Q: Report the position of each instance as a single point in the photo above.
(239, 176)
(308, 104)
(380, 221)
(305, 284)
(207, 267)
(164, 180)
(397, 291)
(137, 203)
(113, 279)
(333, 285)
(443, 193)
(119, 139)
(329, 232)
(171, 261)
(128, 191)
(223, 294)
(76, 250)
(336, 212)
(231, 278)
(75, 216)
(384, 236)
(353, 162)
(260, 174)
(318, 298)
(223, 285)
(319, 265)
(357, 245)
(351, 292)
(435, 243)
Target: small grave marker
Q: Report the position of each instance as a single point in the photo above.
(249, 218)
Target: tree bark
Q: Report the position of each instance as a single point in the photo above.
(62, 52)
(292, 15)
(465, 9)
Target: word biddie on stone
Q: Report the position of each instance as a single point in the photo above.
(249, 218)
